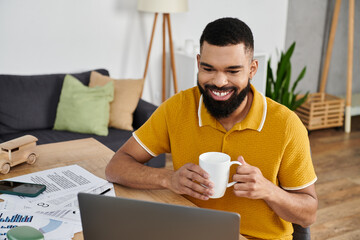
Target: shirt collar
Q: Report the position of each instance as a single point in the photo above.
(255, 118)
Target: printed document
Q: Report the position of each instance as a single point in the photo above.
(57, 205)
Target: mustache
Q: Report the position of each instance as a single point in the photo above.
(213, 87)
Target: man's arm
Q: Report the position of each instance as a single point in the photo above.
(297, 206)
(127, 168)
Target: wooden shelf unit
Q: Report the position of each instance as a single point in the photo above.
(321, 110)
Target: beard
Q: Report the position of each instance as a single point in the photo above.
(223, 109)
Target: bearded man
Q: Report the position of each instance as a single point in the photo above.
(225, 113)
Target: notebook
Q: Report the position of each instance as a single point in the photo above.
(105, 217)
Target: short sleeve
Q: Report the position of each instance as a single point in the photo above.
(296, 168)
(153, 135)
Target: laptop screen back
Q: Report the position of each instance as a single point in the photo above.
(106, 217)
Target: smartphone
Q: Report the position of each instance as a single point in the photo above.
(21, 188)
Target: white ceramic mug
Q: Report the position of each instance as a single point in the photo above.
(217, 165)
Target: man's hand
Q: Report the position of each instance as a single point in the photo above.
(187, 181)
(250, 182)
(297, 206)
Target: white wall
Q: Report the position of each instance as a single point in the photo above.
(48, 36)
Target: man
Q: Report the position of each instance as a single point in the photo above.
(225, 113)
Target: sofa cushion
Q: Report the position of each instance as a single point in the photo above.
(30, 102)
(142, 113)
(126, 98)
(83, 109)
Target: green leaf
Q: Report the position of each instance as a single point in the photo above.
(301, 76)
(284, 61)
(287, 78)
(285, 99)
(291, 99)
(284, 88)
(269, 80)
(299, 102)
(278, 86)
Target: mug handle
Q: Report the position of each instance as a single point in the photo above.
(231, 163)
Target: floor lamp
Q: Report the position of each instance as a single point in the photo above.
(349, 59)
(165, 7)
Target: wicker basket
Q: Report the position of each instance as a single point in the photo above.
(321, 110)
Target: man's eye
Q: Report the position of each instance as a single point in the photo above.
(208, 69)
(234, 72)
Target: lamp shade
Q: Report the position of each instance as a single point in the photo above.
(163, 6)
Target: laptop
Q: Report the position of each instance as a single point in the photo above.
(105, 217)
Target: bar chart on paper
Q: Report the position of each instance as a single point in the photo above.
(9, 221)
(8, 226)
(15, 218)
(12, 219)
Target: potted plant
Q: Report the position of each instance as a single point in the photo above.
(278, 87)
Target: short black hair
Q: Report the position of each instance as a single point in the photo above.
(228, 31)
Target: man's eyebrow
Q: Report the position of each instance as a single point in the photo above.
(229, 68)
(235, 67)
(206, 65)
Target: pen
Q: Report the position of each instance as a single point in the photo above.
(107, 190)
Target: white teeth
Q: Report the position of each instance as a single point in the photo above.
(221, 94)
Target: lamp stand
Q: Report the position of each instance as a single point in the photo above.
(349, 58)
(166, 19)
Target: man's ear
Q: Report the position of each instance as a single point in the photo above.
(198, 60)
(253, 68)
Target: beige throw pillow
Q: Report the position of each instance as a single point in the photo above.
(126, 97)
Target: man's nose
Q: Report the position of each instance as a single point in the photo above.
(220, 79)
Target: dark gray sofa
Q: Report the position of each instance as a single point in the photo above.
(28, 105)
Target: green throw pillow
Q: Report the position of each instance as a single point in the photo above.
(83, 109)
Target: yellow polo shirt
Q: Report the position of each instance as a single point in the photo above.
(271, 137)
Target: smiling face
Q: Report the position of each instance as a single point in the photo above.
(223, 78)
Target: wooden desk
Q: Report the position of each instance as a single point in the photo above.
(92, 156)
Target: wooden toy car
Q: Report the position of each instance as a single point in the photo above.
(17, 151)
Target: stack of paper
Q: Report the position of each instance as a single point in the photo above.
(55, 212)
